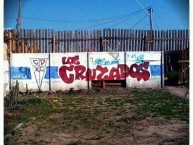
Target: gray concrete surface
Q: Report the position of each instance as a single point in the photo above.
(179, 91)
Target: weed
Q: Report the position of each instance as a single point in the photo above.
(31, 101)
(159, 103)
(97, 137)
(74, 142)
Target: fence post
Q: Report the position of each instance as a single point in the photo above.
(49, 73)
(145, 44)
(148, 40)
(162, 69)
(53, 44)
(101, 44)
(87, 74)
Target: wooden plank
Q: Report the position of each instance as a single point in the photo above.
(62, 43)
(65, 42)
(183, 61)
(176, 44)
(184, 36)
(187, 40)
(41, 44)
(125, 41)
(45, 41)
(157, 41)
(121, 47)
(71, 42)
(55, 41)
(169, 41)
(137, 42)
(140, 42)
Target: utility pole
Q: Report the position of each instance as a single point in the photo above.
(149, 38)
(150, 17)
(18, 27)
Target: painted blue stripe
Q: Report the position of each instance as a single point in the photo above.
(53, 72)
(20, 73)
(155, 70)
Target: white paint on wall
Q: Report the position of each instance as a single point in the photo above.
(64, 71)
(107, 60)
(31, 66)
(66, 63)
(145, 61)
(6, 77)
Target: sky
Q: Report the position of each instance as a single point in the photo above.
(97, 14)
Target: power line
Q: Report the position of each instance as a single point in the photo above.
(61, 21)
(75, 21)
(120, 22)
(142, 7)
(146, 24)
(137, 12)
(138, 22)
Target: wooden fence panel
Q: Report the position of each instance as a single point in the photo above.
(42, 40)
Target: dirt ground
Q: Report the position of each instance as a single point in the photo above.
(106, 117)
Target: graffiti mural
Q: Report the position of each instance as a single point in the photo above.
(20, 73)
(103, 61)
(139, 58)
(77, 70)
(39, 69)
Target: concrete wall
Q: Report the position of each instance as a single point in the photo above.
(145, 69)
(6, 72)
(63, 71)
(68, 70)
(106, 65)
(30, 69)
(6, 77)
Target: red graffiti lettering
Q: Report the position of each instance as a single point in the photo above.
(144, 74)
(139, 72)
(134, 70)
(63, 74)
(79, 70)
(91, 74)
(102, 72)
(71, 60)
(114, 74)
(124, 70)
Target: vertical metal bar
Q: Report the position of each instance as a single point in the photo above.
(49, 72)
